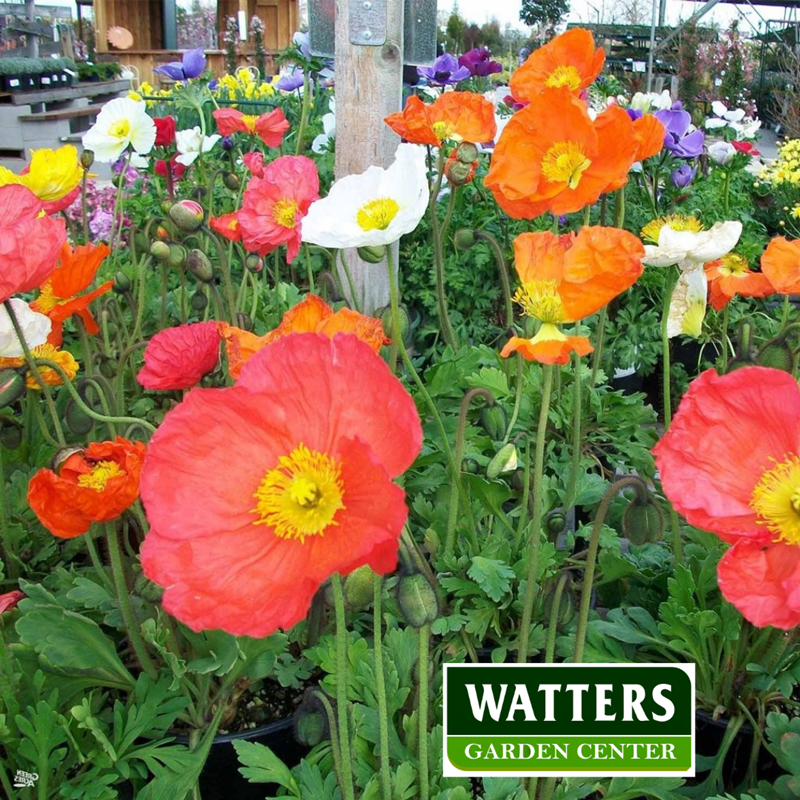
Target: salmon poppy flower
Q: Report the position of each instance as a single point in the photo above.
(563, 165)
(92, 485)
(780, 262)
(269, 127)
(63, 358)
(305, 448)
(570, 60)
(227, 225)
(453, 116)
(177, 358)
(9, 600)
(59, 297)
(730, 464)
(274, 205)
(566, 278)
(648, 133)
(29, 242)
(730, 276)
(255, 163)
(311, 315)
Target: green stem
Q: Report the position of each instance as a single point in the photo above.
(725, 339)
(502, 268)
(303, 113)
(349, 276)
(348, 792)
(225, 268)
(140, 298)
(535, 542)
(84, 208)
(518, 386)
(600, 335)
(117, 230)
(785, 315)
(726, 192)
(423, 669)
(552, 630)
(97, 563)
(577, 385)
(380, 687)
(438, 258)
(310, 269)
(125, 606)
(526, 491)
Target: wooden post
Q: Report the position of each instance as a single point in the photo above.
(31, 40)
(369, 85)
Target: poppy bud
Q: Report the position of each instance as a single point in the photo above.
(470, 466)
(464, 239)
(776, 354)
(166, 205)
(198, 264)
(160, 251)
(87, 158)
(140, 240)
(187, 215)
(310, 720)
(372, 253)
(244, 322)
(118, 180)
(493, 419)
(566, 608)
(458, 173)
(555, 522)
(199, 301)
(404, 322)
(505, 460)
(230, 181)
(467, 153)
(122, 283)
(10, 433)
(177, 255)
(12, 387)
(417, 600)
(643, 521)
(358, 588)
(108, 368)
(253, 263)
(163, 233)
(518, 480)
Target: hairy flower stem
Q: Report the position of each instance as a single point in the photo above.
(334, 734)
(518, 386)
(117, 231)
(351, 285)
(423, 669)
(225, 269)
(452, 519)
(577, 386)
(630, 482)
(552, 629)
(348, 792)
(46, 393)
(309, 268)
(600, 333)
(140, 298)
(725, 339)
(301, 130)
(125, 606)
(535, 542)
(448, 333)
(380, 687)
(502, 268)
(84, 207)
(526, 491)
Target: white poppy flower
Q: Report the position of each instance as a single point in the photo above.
(191, 143)
(652, 101)
(35, 328)
(747, 128)
(374, 208)
(690, 249)
(122, 123)
(721, 153)
(723, 117)
(139, 162)
(322, 143)
(687, 308)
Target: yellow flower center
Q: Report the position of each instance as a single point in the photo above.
(776, 500)
(541, 299)
(250, 121)
(46, 301)
(300, 497)
(564, 75)
(285, 212)
(377, 214)
(442, 130)
(678, 222)
(565, 162)
(101, 474)
(120, 129)
(733, 265)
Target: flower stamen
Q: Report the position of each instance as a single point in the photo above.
(540, 299)
(102, 472)
(564, 75)
(377, 214)
(776, 500)
(565, 162)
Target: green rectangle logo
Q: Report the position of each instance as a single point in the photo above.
(599, 720)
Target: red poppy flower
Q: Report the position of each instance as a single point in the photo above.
(59, 298)
(730, 463)
(780, 262)
(29, 243)
(9, 600)
(564, 165)
(177, 358)
(274, 205)
(570, 60)
(731, 276)
(92, 485)
(269, 127)
(256, 494)
(165, 131)
(745, 147)
(255, 163)
(227, 225)
(177, 169)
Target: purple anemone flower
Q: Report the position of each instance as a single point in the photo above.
(444, 72)
(634, 113)
(479, 63)
(302, 42)
(291, 80)
(192, 65)
(678, 140)
(683, 176)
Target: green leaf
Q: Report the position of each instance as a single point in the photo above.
(493, 576)
(261, 765)
(491, 378)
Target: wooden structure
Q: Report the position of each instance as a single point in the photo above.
(153, 24)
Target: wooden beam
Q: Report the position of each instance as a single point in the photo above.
(369, 86)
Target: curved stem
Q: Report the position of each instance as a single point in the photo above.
(225, 268)
(438, 257)
(303, 113)
(140, 298)
(577, 385)
(380, 687)
(552, 630)
(424, 677)
(502, 268)
(517, 397)
(349, 276)
(309, 268)
(600, 334)
(348, 792)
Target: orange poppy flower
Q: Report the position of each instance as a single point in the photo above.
(781, 264)
(570, 60)
(648, 133)
(269, 127)
(305, 449)
(59, 299)
(730, 276)
(563, 164)
(566, 278)
(311, 315)
(64, 359)
(453, 116)
(92, 485)
(227, 225)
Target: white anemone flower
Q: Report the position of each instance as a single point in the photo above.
(721, 153)
(322, 142)
(122, 123)
(652, 101)
(35, 328)
(191, 143)
(374, 208)
(747, 128)
(723, 117)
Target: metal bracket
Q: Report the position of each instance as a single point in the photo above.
(367, 22)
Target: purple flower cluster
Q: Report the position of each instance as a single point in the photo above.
(679, 140)
(192, 65)
(445, 71)
(479, 63)
(100, 202)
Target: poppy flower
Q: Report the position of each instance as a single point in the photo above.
(570, 61)
(122, 123)
(566, 278)
(305, 448)
(29, 242)
(35, 328)
(730, 276)
(780, 262)
(92, 485)
(63, 358)
(165, 131)
(311, 315)
(227, 225)
(374, 208)
(730, 464)
(177, 358)
(53, 176)
(648, 133)
(273, 206)
(255, 163)
(269, 127)
(564, 165)
(191, 143)
(745, 147)
(453, 116)
(176, 168)
(9, 600)
(59, 297)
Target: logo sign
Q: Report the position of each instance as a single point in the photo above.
(572, 720)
